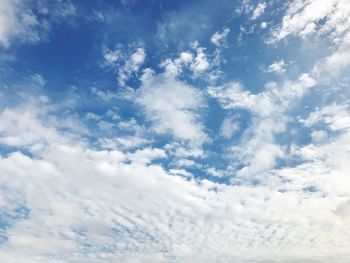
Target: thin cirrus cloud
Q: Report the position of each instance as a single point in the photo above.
(177, 151)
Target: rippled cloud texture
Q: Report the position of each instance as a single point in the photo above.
(174, 131)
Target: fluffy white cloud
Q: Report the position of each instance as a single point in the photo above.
(200, 63)
(315, 17)
(334, 65)
(172, 107)
(124, 63)
(263, 25)
(219, 37)
(132, 65)
(175, 66)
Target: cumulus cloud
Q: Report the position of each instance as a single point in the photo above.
(131, 66)
(176, 65)
(172, 107)
(200, 63)
(219, 37)
(196, 60)
(125, 63)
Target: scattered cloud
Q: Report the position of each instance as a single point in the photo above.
(200, 63)
(258, 150)
(198, 155)
(219, 37)
(277, 67)
(316, 17)
(258, 11)
(263, 25)
(124, 63)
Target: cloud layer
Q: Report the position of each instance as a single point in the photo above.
(230, 148)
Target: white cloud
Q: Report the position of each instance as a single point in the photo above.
(124, 63)
(13, 23)
(186, 163)
(111, 56)
(19, 22)
(258, 151)
(24, 129)
(132, 65)
(233, 95)
(120, 206)
(114, 201)
(315, 17)
(183, 150)
(336, 117)
(228, 127)
(197, 61)
(147, 155)
(327, 23)
(200, 63)
(215, 172)
(277, 67)
(263, 25)
(172, 107)
(175, 66)
(219, 37)
(259, 10)
(123, 142)
(137, 58)
(38, 80)
(319, 136)
(334, 65)
(103, 95)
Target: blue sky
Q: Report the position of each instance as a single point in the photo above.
(174, 131)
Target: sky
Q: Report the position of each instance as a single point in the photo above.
(156, 131)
